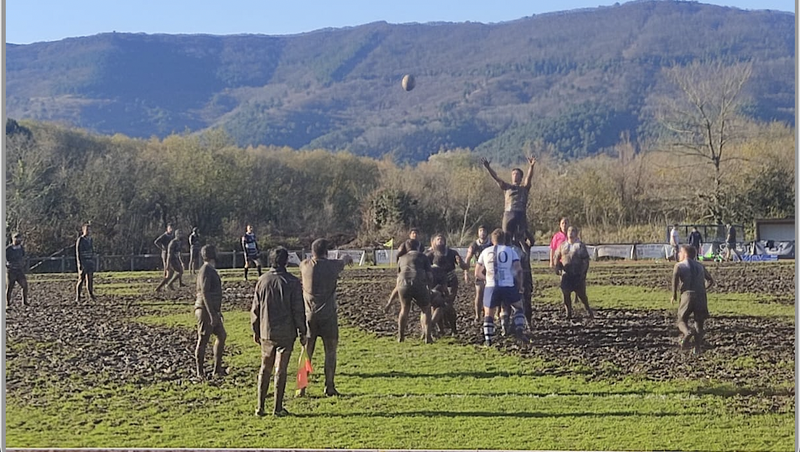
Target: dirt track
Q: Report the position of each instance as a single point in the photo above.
(72, 345)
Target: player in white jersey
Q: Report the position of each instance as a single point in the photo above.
(503, 276)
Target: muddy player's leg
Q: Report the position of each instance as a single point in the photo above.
(90, 284)
(311, 346)
(505, 320)
(203, 336)
(437, 314)
(164, 281)
(23, 282)
(392, 297)
(478, 302)
(179, 272)
(402, 318)
(567, 294)
(330, 344)
(580, 293)
(684, 312)
(173, 275)
(219, 349)
(518, 312)
(268, 354)
(698, 340)
(258, 265)
(451, 303)
(284, 353)
(246, 266)
(527, 294)
(9, 288)
(79, 286)
(426, 320)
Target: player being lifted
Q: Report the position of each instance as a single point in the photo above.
(515, 220)
(251, 253)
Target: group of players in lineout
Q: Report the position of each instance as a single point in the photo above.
(285, 307)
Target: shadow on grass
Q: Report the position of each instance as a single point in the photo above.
(493, 414)
(466, 374)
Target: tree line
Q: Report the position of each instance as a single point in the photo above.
(57, 178)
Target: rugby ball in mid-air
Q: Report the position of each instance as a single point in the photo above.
(408, 82)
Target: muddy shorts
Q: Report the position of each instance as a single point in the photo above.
(438, 299)
(14, 276)
(176, 265)
(323, 327)
(269, 347)
(515, 222)
(204, 327)
(494, 297)
(408, 289)
(572, 283)
(693, 303)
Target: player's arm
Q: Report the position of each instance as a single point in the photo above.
(708, 278)
(299, 311)
(479, 272)
(78, 251)
(557, 259)
(255, 313)
(468, 259)
(674, 284)
(528, 177)
(461, 262)
(518, 275)
(585, 259)
(500, 182)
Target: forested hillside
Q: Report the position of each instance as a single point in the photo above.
(575, 80)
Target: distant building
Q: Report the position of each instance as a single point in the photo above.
(776, 229)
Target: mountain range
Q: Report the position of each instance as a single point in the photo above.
(576, 79)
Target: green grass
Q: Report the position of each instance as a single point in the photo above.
(407, 395)
(632, 297)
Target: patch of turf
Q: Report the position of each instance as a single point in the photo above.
(408, 395)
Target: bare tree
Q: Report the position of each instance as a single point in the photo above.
(701, 118)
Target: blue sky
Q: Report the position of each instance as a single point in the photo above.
(29, 21)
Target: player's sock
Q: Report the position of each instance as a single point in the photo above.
(505, 323)
(488, 329)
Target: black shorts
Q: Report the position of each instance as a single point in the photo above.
(515, 222)
(14, 276)
(327, 328)
(412, 290)
(572, 283)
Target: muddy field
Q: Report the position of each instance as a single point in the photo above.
(58, 342)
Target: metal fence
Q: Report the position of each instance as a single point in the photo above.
(140, 262)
